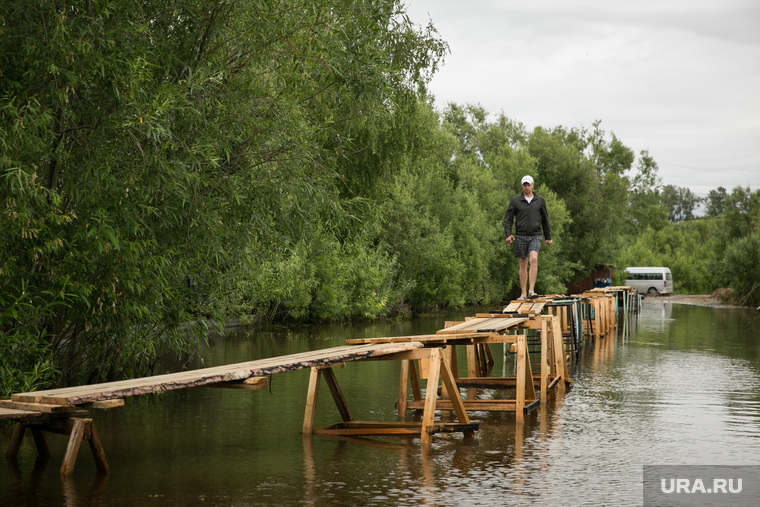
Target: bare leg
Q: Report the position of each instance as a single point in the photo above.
(533, 270)
(523, 276)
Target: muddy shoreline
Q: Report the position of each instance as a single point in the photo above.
(691, 299)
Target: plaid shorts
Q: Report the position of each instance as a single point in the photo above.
(525, 244)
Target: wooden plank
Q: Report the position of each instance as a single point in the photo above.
(370, 429)
(383, 339)
(469, 325)
(434, 339)
(501, 324)
(485, 324)
(37, 407)
(426, 339)
(18, 415)
(376, 424)
(359, 428)
(105, 404)
(475, 405)
(513, 307)
(205, 376)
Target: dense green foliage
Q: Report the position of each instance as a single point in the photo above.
(167, 164)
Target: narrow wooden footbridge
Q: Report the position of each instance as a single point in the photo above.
(556, 324)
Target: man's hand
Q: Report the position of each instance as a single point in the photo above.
(548, 242)
(510, 239)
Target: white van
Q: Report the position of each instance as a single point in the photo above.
(650, 280)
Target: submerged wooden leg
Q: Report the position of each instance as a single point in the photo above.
(423, 367)
(40, 442)
(16, 438)
(446, 359)
(544, 360)
(489, 356)
(311, 402)
(472, 362)
(451, 387)
(525, 389)
(431, 396)
(480, 354)
(597, 318)
(97, 449)
(550, 349)
(416, 390)
(530, 389)
(403, 390)
(75, 441)
(520, 392)
(560, 365)
(337, 394)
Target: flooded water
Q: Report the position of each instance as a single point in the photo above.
(680, 387)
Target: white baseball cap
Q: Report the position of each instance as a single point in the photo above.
(527, 179)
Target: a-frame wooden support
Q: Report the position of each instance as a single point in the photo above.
(76, 428)
(438, 371)
(523, 383)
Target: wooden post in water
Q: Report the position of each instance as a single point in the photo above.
(524, 380)
(544, 361)
(403, 389)
(311, 402)
(560, 364)
(83, 429)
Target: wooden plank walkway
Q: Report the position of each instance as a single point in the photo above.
(207, 376)
(60, 410)
(64, 410)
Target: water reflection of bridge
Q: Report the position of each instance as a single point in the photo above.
(542, 335)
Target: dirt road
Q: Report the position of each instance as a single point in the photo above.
(692, 299)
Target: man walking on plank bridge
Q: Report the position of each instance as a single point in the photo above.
(528, 212)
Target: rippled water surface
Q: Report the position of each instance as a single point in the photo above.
(680, 386)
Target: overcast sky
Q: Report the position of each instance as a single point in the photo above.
(679, 78)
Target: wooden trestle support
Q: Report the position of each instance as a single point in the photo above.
(422, 357)
(438, 371)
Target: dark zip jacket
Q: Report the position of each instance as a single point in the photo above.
(530, 218)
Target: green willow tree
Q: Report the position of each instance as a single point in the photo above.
(735, 246)
(680, 202)
(151, 147)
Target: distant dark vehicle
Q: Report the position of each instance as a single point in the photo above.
(602, 282)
